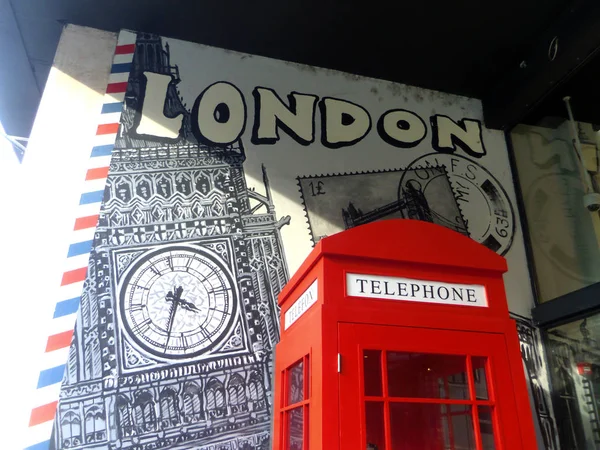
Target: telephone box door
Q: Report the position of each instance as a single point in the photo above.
(405, 388)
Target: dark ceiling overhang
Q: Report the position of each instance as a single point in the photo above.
(562, 61)
(468, 47)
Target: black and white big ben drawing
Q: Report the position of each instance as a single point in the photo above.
(178, 318)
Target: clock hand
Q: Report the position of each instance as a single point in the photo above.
(189, 306)
(175, 301)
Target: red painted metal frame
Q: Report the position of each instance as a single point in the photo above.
(285, 406)
(354, 338)
(409, 249)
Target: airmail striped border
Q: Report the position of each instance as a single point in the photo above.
(53, 362)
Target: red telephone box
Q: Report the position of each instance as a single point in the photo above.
(396, 336)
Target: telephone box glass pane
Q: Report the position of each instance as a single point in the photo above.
(486, 428)
(424, 375)
(460, 420)
(295, 383)
(375, 426)
(480, 377)
(295, 429)
(372, 369)
(431, 427)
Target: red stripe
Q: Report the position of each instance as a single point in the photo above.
(73, 276)
(97, 173)
(41, 414)
(58, 341)
(116, 88)
(107, 128)
(125, 49)
(85, 222)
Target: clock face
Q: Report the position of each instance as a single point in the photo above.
(178, 302)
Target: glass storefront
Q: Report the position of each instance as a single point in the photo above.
(574, 358)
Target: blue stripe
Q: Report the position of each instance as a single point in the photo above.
(102, 150)
(66, 307)
(91, 197)
(115, 107)
(80, 248)
(121, 68)
(41, 446)
(51, 376)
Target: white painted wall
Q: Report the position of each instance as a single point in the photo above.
(39, 199)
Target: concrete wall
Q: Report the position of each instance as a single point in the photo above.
(43, 194)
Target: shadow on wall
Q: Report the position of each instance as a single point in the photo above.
(42, 194)
(327, 202)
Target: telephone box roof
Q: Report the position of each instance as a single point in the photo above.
(403, 240)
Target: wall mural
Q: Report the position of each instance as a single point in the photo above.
(537, 373)
(205, 216)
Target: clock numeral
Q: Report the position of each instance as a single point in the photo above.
(184, 341)
(143, 326)
(205, 334)
(136, 306)
(137, 286)
(170, 262)
(188, 264)
(156, 272)
(216, 291)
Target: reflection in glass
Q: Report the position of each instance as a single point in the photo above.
(431, 427)
(480, 377)
(372, 369)
(575, 369)
(295, 382)
(423, 375)
(295, 429)
(486, 428)
(375, 427)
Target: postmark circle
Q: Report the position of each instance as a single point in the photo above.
(483, 202)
